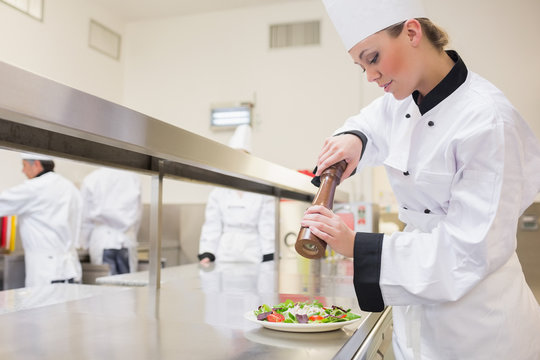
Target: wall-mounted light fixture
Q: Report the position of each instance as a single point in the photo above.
(225, 117)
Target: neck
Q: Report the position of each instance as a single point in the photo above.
(437, 67)
(42, 172)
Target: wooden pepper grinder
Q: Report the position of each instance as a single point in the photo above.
(307, 244)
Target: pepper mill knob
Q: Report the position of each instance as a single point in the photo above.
(307, 244)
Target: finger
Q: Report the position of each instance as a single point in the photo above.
(322, 234)
(325, 148)
(313, 220)
(329, 161)
(318, 209)
(348, 171)
(330, 154)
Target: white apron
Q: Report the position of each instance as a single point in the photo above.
(42, 268)
(239, 247)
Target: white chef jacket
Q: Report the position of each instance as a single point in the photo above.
(463, 166)
(49, 209)
(239, 226)
(112, 212)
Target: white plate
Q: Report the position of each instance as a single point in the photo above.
(294, 327)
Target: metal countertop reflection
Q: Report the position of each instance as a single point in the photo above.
(200, 316)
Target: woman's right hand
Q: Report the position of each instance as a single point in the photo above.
(346, 147)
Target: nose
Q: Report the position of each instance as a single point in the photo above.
(372, 75)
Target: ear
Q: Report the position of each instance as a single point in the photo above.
(38, 165)
(413, 30)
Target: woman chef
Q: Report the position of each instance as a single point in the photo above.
(463, 165)
(239, 226)
(49, 210)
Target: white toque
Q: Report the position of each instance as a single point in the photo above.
(33, 156)
(355, 20)
(241, 138)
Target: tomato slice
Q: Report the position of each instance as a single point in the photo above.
(315, 317)
(275, 317)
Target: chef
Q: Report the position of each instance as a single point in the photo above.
(112, 217)
(463, 165)
(49, 209)
(239, 226)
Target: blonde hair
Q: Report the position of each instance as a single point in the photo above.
(436, 35)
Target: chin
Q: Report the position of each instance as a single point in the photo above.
(401, 96)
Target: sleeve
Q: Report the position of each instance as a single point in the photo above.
(266, 227)
(476, 236)
(17, 200)
(212, 227)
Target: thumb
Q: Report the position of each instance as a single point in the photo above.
(351, 166)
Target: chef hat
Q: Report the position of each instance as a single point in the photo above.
(355, 20)
(241, 138)
(33, 156)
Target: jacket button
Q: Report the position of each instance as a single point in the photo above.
(406, 173)
(427, 211)
(408, 116)
(431, 123)
(404, 207)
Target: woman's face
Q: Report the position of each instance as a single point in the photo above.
(388, 62)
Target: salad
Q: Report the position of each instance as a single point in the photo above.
(303, 313)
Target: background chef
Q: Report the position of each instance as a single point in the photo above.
(112, 217)
(239, 226)
(49, 210)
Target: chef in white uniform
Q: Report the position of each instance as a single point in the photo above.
(49, 209)
(463, 165)
(239, 226)
(112, 217)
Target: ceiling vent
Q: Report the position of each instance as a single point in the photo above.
(104, 40)
(295, 34)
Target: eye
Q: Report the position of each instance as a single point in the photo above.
(374, 59)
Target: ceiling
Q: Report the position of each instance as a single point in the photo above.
(134, 10)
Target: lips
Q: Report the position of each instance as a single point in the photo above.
(385, 86)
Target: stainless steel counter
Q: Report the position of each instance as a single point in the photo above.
(191, 312)
(200, 316)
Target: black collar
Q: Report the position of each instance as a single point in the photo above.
(43, 172)
(447, 86)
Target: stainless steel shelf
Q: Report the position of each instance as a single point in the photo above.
(41, 115)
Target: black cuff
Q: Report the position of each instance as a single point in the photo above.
(207, 255)
(367, 271)
(268, 257)
(363, 138)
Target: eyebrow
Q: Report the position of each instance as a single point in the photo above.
(361, 54)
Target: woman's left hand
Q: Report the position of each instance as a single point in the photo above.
(330, 228)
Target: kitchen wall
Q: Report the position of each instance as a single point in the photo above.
(302, 94)
(178, 67)
(175, 68)
(57, 48)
